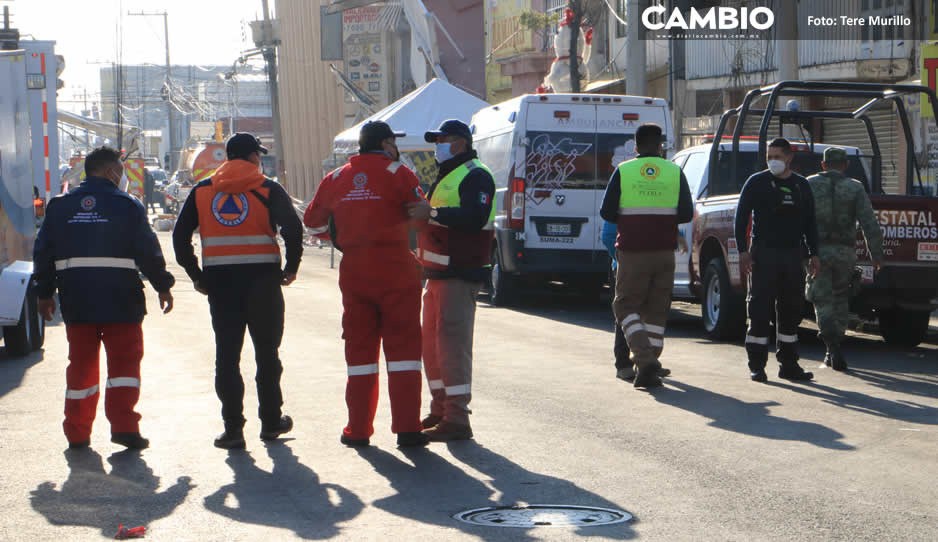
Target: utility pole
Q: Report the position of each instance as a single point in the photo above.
(267, 38)
(169, 105)
(635, 69)
(577, 7)
(787, 41)
(86, 113)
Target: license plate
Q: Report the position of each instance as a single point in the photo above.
(559, 229)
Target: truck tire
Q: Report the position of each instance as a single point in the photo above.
(18, 338)
(502, 286)
(722, 309)
(37, 329)
(902, 327)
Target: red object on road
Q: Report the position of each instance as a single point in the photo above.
(123, 533)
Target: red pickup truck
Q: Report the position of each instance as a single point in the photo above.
(905, 291)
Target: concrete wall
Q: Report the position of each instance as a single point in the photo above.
(311, 103)
(465, 22)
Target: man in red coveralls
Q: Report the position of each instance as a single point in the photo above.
(361, 207)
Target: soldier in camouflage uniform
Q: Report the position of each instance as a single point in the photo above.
(839, 203)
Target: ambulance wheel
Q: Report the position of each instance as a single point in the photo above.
(902, 327)
(502, 286)
(723, 310)
(37, 326)
(18, 338)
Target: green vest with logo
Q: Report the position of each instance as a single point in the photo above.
(441, 248)
(649, 186)
(446, 193)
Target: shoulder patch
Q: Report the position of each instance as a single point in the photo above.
(336, 173)
(394, 166)
(471, 165)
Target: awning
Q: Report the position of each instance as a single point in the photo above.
(341, 5)
(596, 86)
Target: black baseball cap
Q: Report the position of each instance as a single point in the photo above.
(451, 127)
(374, 132)
(241, 144)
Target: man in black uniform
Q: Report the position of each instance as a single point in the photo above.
(239, 214)
(782, 209)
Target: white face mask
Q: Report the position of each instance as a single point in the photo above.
(777, 167)
(125, 182)
(443, 152)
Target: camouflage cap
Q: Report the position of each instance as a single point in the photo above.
(835, 155)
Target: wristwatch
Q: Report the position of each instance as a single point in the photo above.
(434, 213)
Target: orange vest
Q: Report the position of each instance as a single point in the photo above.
(235, 228)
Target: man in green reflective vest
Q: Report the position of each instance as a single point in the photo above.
(455, 248)
(647, 197)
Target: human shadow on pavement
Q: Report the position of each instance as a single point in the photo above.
(906, 411)
(752, 419)
(432, 490)
(570, 310)
(289, 497)
(91, 497)
(13, 370)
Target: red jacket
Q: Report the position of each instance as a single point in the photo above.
(367, 201)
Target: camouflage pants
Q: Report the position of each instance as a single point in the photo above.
(829, 291)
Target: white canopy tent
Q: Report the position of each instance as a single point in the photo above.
(422, 110)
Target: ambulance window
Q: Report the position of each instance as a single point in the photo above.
(563, 160)
(495, 152)
(612, 150)
(694, 170)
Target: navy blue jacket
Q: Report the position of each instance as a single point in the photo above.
(90, 247)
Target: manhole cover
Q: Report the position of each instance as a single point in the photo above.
(543, 515)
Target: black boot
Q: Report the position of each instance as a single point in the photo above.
(836, 356)
(415, 439)
(231, 439)
(283, 425)
(132, 441)
(793, 371)
(647, 376)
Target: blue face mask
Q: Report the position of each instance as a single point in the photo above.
(443, 152)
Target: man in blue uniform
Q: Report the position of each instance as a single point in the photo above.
(91, 245)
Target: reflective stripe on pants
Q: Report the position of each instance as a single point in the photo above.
(123, 344)
(644, 281)
(448, 321)
(776, 286)
(374, 315)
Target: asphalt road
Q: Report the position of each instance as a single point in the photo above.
(711, 456)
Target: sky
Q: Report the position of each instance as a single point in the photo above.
(201, 32)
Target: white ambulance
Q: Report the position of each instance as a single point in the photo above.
(552, 156)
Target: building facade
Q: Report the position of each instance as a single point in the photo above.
(312, 108)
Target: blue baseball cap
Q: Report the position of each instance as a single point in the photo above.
(451, 127)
